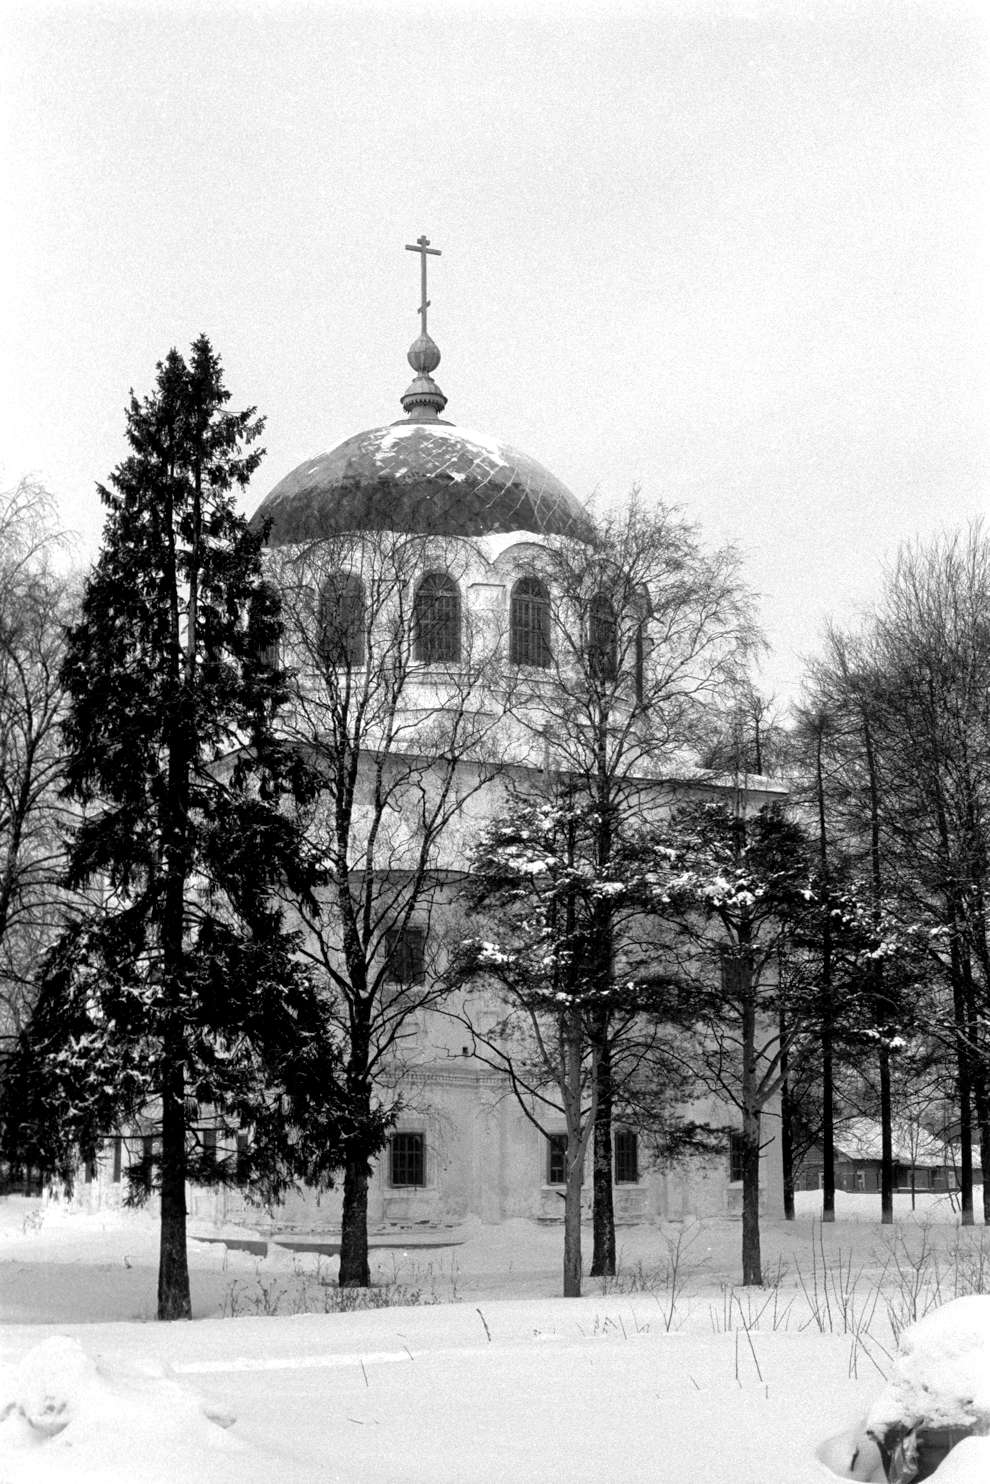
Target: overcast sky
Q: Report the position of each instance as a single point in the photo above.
(731, 253)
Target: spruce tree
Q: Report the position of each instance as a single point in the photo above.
(180, 988)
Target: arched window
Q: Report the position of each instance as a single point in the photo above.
(639, 661)
(602, 638)
(342, 620)
(640, 612)
(437, 619)
(264, 602)
(529, 623)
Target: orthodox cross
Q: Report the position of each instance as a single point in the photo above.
(422, 246)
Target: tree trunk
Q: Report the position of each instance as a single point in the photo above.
(977, 1076)
(174, 1300)
(752, 1270)
(787, 1150)
(751, 1260)
(880, 1004)
(577, 1143)
(828, 1124)
(173, 1262)
(603, 1214)
(828, 1009)
(786, 1131)
(964, 1085)
(572, 1220)
(886, 1140)
(355, 1271)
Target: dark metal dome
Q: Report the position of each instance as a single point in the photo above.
(427, 477)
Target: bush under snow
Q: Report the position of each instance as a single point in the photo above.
(65, 1416)
(942, 1372)
(940, 1379)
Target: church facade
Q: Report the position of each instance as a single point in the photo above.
(417, 544)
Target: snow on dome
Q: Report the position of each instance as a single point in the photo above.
(942, 1373)
(422, 477)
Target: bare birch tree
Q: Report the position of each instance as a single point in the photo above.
(34, 608)
(397, 710)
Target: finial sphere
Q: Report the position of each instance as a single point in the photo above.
(424, 355)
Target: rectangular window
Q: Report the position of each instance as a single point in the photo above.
(557, 1159)
(405, 954)
(860, 1179)
(118, 1159)
(735, 974)
(243, 1165)
(407, 1159)
(735, 1157)
(626, 1157)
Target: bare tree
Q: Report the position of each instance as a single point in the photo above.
(631, 641)
(643, 634)
(929, 652)
(397, 712)
(35, 605)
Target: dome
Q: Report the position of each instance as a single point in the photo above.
(425, 477)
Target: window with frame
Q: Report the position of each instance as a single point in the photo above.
(735, 1158)
(341, 620)
(407, 1159)
(265, 597)
(437, 619)
(405, 955)
(603, 638)
(626, 1159)
(641, 610)
(556, 1153)
(529, 623)
(118, 1159)
(735, 973)
(209, 1146)
(639, 662)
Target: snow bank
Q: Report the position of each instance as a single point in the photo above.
(64, 1416)
(942, 1372)
(968, 1463)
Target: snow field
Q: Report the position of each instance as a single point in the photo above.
(488, 1377)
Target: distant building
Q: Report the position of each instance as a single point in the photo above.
(923, 1163)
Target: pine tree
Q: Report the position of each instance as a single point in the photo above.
(181, 988)
(733, 888)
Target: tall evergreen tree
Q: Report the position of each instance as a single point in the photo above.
(181, 989)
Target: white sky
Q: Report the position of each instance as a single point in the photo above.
(733, 253)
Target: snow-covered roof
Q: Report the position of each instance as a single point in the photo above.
(427, 477)
(861, 1138)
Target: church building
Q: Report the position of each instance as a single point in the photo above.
(468, 515)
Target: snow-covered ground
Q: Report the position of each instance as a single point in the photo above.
(672, 1374)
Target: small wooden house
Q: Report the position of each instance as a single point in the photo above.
(923, 1163)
